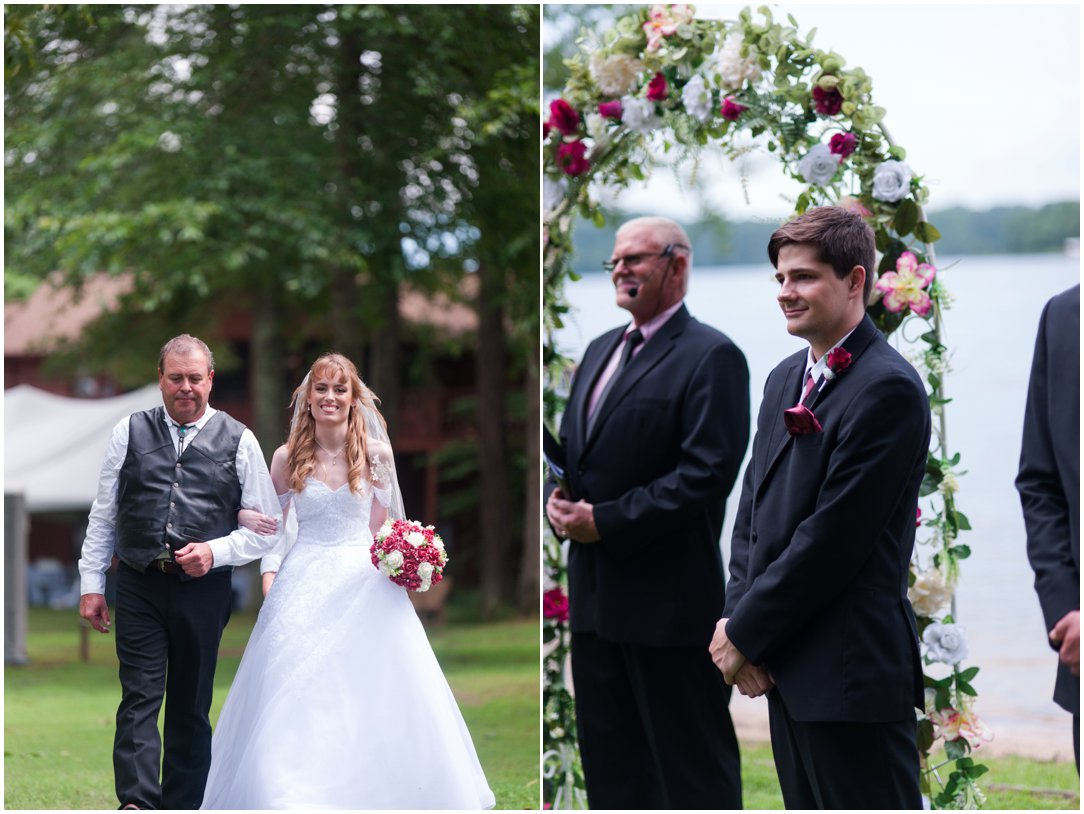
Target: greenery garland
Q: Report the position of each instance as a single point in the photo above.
(665, 80)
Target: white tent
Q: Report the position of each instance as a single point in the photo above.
(54, 445)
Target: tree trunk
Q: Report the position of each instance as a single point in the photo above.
(384, 372)
(269, 398)
(492, 458)
(531, 564)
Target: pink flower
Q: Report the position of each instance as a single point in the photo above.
(952, 724)
(657, 90)
(843, 144)
(572, 158)
(731, 110)
(555, 605)
(611, 109)
(852, 204)
(918, 517)
(903, 288)
(663, 21)
(828, 102)
(563, 117)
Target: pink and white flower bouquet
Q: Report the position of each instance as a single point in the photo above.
(409, 554)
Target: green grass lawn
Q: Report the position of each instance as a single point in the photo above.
(1046, 785)
(58, 711)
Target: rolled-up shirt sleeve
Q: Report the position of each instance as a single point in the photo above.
(257, 492)
(101, 539)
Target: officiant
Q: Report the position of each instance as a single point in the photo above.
(168, 494)
(653, 435)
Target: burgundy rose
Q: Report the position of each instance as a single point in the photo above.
(839, 359)
(555, 605)
(657, 90)
(563, 117)
(843, 144)
(731, 110)
(800, 420)
(828, 102)
(546, 127)
(611, 109)
(918, 517)
(572, 158)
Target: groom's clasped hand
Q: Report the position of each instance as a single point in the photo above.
(752, 681)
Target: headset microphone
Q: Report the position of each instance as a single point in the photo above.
(667, 252)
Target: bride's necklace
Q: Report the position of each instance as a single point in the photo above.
(333, 455)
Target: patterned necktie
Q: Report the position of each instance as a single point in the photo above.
(808, 387)
(632, 340)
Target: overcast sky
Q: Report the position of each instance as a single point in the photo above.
(985, 98)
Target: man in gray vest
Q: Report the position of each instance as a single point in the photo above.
(172, 482)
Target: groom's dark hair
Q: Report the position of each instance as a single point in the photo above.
(843, 240)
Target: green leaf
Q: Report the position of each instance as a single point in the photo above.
(925, 735)
(956, 748)
(961, 552)
(906, 217)
(969, 673)
(966, 688)
(927, 232)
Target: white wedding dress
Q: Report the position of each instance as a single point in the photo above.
(339, 701)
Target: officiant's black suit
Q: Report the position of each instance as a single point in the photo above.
(663, 455)
(818, 578)
(1049, 476)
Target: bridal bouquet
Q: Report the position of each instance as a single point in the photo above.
(409, 554)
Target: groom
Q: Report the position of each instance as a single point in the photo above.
(817, 613)
(168, 494)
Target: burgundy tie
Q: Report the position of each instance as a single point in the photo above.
(808, 387)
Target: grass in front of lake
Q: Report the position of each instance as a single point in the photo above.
(59, 711)
(1011, 783)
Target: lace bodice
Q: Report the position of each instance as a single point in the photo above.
(332, 517)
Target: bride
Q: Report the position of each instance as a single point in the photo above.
(339, 701)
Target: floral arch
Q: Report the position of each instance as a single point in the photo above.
(664, 75)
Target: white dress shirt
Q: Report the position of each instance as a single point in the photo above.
(238, 547)
(816, 368)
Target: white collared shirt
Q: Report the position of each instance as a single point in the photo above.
(816, 369)
(647, 330)
(238, 547)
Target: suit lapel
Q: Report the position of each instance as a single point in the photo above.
(856, 344)
(649, 356)
(590, 370)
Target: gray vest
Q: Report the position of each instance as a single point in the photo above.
(165, 502)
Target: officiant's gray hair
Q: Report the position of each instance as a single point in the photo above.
(183, 345)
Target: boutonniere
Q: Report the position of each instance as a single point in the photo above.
(800, 420)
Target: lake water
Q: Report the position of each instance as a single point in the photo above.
(990, 329)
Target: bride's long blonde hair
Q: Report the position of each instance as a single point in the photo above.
(301, 445)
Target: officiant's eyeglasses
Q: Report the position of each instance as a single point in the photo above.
(634, 261)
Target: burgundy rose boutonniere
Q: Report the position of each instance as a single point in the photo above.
(799, 420)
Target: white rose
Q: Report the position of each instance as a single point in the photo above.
(425, 571)
(930, 593)
(730, 66)
(819, 165)
(639, 114)
(394, 560)
(438, 543)
(553, 192)
(945, 643)
(891, 181)
(598, 127)
(416, 538)
(696, 97)
(615, 75)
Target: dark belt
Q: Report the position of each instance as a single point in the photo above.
(167, 566)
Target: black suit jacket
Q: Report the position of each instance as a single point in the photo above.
(661, 459)
(824, 535)
(1049, 476)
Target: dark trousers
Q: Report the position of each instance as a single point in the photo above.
(844, 765)
(168, 632)
(654, 727)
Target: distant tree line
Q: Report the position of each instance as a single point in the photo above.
(717, 242)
